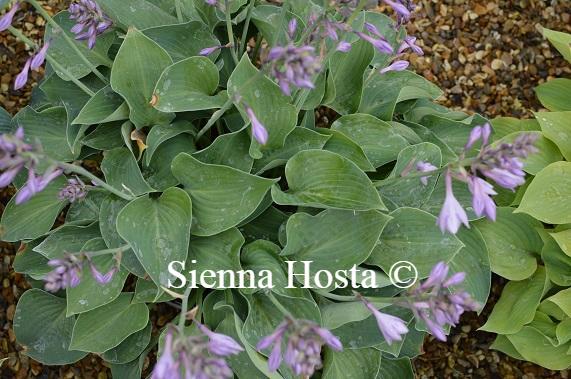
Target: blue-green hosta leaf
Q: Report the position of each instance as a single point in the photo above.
(66, 56)
(86, 211)
(461, 192)
(5, 121)
(298, 140)
(182, 41)
(41, 327)
(218, 252)
(222, 196)
(89, 294)
(323, 179)
(341, 144)
(412, 235)
(378, 139)
(517, 304)
(547, 154)
(158, 173)
(138, 13)
(188, 85)
(326, 238)
(382, 93)
(513, 243)
(401, 192)
(346, 71)
(272, 108)
(122, 172)
(136, 70)
(106, 327)
(130, 348)
(31, 263)
(161, 133)
(104, 106)
(351, 364)
(272, 26)
(67, 238)
(105, 137)
(158, 230)
(230, 149)
(557, 127)
(555, 95)
(146, 291)
(548, 197)
(266, 226)
(396, 368)
(53, 138)
(35, 217)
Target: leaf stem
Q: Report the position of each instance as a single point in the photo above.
(244, 42)
(279, 306)
(385, 182)
(356, 12)
(184, 309)
(120, 249)
(215, 116)
(68, 39)
(81, 171)
(230, 32)
(19, 35)
(178, 12)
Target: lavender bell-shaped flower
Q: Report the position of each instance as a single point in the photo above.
(293, 66)
(36, 184)
(399, 65)
(305, 340)
(410, 43)
(433, 302)
(220, 344)
(22, 77)
(40, 57)
(211, 2)
(6, 20)
(258, 130)
(90, 21)
(452, 214)
(74, 190)
(66, 273)
(12, 159)
(481, 197)
(379, 42)
(209, 50)
(422, 166)
(102, 278)
(402, 10)
(391, 327)
(343, 46)
(166, 367)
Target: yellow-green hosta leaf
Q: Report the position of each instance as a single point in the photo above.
(503, 126)
(536, 347)
(563, 239)
(561, 41)
(557, 127)
(322, 179)
(555, 94)
(136, 70)
(351, 363)
(548, 197)
(222, 196)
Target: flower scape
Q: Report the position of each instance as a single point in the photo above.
(187, 131)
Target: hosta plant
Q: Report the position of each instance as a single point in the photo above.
(173, 140)
(531, 244)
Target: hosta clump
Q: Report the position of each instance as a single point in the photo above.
(184, 134)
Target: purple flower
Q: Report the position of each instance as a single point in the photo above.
(303, 348)
(66, 273)
(40, 57)
(36, 184)
(481, 197)
(6, 20)
(102, 278)
(401, 9)
(166, 367)
(90, 21)
(392, 328)
(434, 304)
(258, 130)
(73, 191)
(211, 2)
(13, 156)
(422, 166)
(209, 50)
(293, 65)
(220, 344)
(291, 28)
(344, 46)
(410, 43)
(452, 213)
(379, 43)
(395, 66)
(22, 77)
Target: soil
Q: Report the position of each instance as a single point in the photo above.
(487, 56)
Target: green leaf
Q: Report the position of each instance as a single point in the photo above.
(461, 192)
(86, 211)
(557, 127)
(31, 263)
(548, 197)
(130, 348)
(383, 92)
(138, 13)
(346, 71)
(158, 230)
(105, 137)
(298, 140)
(555, 94)
(158, 173)
(503, 126)
(272, 108)
(341, 144)
(557, 263)
(67, 57)
(146, 291)
(351, 364)
(396, 368)
(162, 133)
(561, 41)
(562, 299)
(5, 121)
(266, 226)
(513, 243)
(218, 252)
(189, 85)
(104, 106)
(89, 294)
(322, 179)
(517, 304)
(35, 217)
(268, 19)
(182, 41)
(411, 192)
(53, 139)
(547, 154)
(535, 347)
(67, 238)
(230, 149)
(326, 238)
(106, 327)
(378, 139)
(222, 196)
(41, 327)
(122, 172)
(412, 235)
(137, 68)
